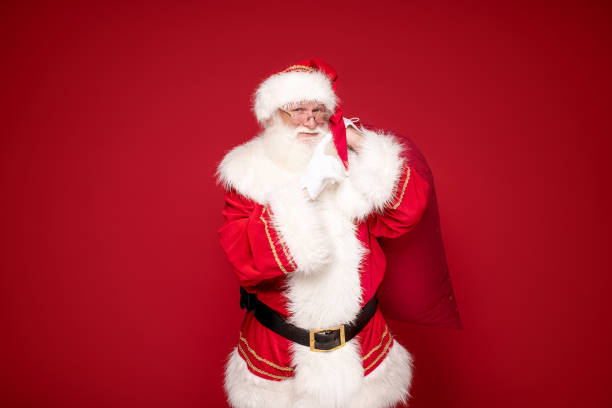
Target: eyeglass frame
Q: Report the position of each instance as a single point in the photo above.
(326, 115)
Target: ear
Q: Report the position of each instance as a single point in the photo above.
(270, 120)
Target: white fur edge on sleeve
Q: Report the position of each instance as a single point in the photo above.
(298, 223)
(377, 168)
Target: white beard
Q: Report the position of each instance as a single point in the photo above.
(282, 145)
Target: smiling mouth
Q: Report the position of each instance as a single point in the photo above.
(306, 135)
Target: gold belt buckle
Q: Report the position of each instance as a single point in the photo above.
(342, 338)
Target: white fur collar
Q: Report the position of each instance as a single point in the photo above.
(250, 171)
(373, 173)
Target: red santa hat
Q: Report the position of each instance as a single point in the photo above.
(307, 80)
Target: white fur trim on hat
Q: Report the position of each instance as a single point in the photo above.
(290, 87)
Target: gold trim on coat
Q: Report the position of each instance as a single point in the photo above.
(382, 339)
(382, 353)
(271, 364)
(246, 358)
(403, 189)
(278, 261)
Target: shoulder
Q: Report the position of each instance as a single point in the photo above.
(248, 170)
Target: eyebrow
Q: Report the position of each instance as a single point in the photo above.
(321, 107)
(314, 108)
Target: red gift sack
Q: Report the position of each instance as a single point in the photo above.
(417, 287)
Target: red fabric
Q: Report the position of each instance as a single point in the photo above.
(338, 130)
(253, 248)
(261, 264)
(417, 287)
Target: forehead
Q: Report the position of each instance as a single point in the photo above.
(308, 105)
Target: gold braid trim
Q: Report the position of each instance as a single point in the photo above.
(403, 189)
(287, 256)
(246, 358)
(271, 364)
(299, 68)
(382, 338)
(285, 250)
(382, 353)
(278, 261)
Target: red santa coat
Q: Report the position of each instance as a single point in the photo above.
(317, 263)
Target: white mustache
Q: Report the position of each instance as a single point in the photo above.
(303, 129)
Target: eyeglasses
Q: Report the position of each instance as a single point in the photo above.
(301, 115)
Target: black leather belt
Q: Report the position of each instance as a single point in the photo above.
(327, 339)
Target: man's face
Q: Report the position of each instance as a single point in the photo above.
(308, 119)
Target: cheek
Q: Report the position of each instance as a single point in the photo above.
(288, 122)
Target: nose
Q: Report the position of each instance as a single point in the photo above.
(310, 123)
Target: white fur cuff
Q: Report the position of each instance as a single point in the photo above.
(377, 168)
(298, 223)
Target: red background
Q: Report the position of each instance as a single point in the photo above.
(114, 289)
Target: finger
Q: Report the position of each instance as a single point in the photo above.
(320, 147)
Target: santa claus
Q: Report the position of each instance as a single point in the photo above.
(305, 201)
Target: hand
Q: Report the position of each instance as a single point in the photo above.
(354, 139)
(322, 169)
